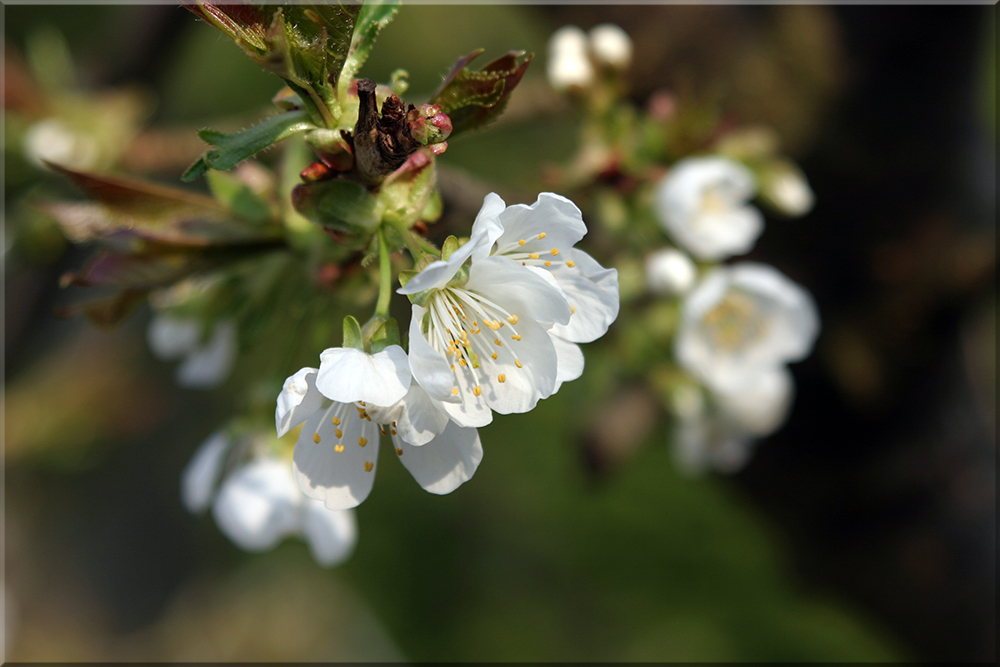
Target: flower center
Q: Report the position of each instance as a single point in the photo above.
(339, 416)
(534, 254)
(735, 322)
(477, 335)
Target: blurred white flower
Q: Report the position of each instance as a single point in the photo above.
(479, 340)
(611, 46)
(52, 140)
(702, 205)
(569, 63)
(669, 272)
(743, 320)
(788, 190)
(337, 450)
(258, 504)
(206, 364)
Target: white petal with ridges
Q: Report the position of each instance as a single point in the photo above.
(551, 222)
(347, 375)
(341, 479)
(569, 358)
(446, 462)
(298, 400)
(521, 292)
(429, 367)
(258, 504)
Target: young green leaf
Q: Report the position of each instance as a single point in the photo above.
(375, 15)
(473, 99)
(231, 149)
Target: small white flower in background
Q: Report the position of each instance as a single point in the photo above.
(669, 272)
(611, 46)
(742, 320)
(569, 62)
(720, 432)
(205, 365)
(337, 451)
(788, 190)
(702, 205)
(258, 504)
(52, 140)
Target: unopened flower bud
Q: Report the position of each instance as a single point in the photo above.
(569, 65)
(428, 124)
(788, 190)
(611, 46)
(669, 272)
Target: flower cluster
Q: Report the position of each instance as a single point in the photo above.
(720, 335)
(494, 327)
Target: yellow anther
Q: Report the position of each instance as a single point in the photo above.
(462, 361)
(570, 264)
(453, 368)
(516, 336)
(521, 242)
(512, 319)
(502, 377)
(495, 324)
(338, 448)
(335, 421)
(572, 310)
(382, 431)
(548, 263)
(494, 356)
(454, 391)
(554, 251)
(394, 431)
(368, 466)
(517, 362)
(533, 255)
(361, 403)
(339, 433)
(542, 235)
(497, 341)
(362, 442)
(399, 452)
(477, 390)
(316, 438)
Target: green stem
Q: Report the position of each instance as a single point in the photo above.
(384, 275)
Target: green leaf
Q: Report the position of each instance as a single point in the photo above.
(473, 99)
(352, 334)
(341, 205)
(231, 149)
(238, 197)
(375, 15)
(386, 335)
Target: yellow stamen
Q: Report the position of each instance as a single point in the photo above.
(533, 255)
(394, 431)
(454, 391)
(339, 433)
(497, 341)
(542, 235)
(477, 390)
(362, 442)
(462, 361)
(548, 263)
(338, 448)
(521, 242)
(512, 319)
(316, 438)
(368, 466)
(517, 363)
(502, 377)
(516, 336)
(570, 264)
(399, 452)
(335, 421)
(572, 310)
(554, 251)
(494, 356)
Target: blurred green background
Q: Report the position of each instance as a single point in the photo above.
(864, 530)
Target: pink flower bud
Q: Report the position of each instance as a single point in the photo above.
(428, 124)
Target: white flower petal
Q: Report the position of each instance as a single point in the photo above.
(568, 63)
(331, 534)
(444, 463)
(199, 477)
(429, 367)
(551, 222)
(701, 203)
(437, 274)
(487, 224)
(341, 479)
(593, 308)
(209, 365)
(298, 400)
(173, 337)
(669, 272)
(761, 406)
(258, 505)
(417, 419)
(570, 360)
(347, 375)
(521, 292)
(611, 45)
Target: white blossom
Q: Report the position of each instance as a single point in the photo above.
(336, 453)
(205, 364)
(741, 320)
(52, 140)
(702, 205)
(611, 46)
(480, 341)
(789, 191)
(257, 504)
(669, 272)
(569, 62)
